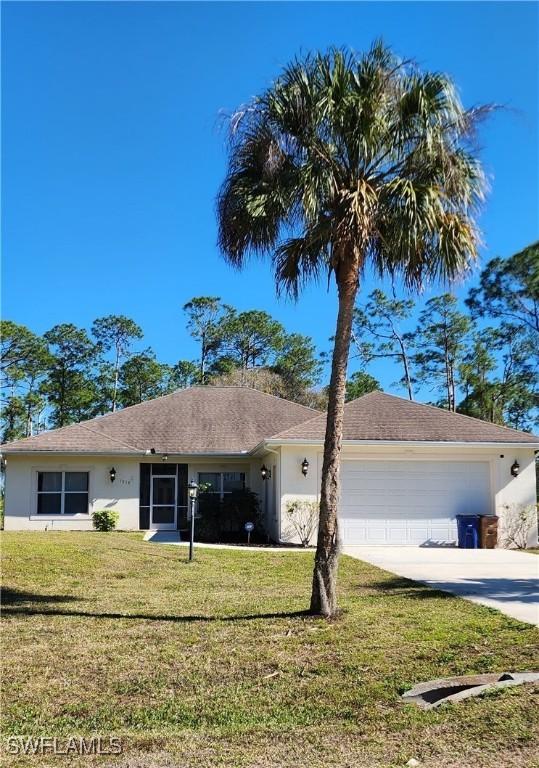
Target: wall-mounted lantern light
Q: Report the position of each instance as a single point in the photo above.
(265, 472)
(304, 467)
(112, 474)
(515, 468)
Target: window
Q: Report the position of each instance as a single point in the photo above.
(222, 483)
(62, 493)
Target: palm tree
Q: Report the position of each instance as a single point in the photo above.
(346, 162)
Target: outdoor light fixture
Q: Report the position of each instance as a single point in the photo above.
(515, 468)
(192, 490)
(112, 474)
(305, 467)
(164, 457)
(265, 472)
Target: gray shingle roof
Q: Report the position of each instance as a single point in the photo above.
(189, 421)
(227, 420)
(379, 416)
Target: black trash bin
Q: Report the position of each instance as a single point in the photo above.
(468, 531)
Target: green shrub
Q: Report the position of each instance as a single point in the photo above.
(105, 519)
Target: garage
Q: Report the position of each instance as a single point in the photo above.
(410, 502)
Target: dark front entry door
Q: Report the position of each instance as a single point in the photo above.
(163, 502)
(163, 496)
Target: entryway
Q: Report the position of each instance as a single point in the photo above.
(163, 496)
(163, 502)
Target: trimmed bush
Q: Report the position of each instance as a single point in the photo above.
(105, 519)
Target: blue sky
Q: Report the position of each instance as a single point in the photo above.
(112, 153)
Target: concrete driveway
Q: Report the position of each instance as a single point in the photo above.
(499, 578)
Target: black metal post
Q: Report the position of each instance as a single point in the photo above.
(192, 536)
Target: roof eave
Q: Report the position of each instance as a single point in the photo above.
(126, 454)
(410, 443)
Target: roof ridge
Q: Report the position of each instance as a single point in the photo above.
(109, 437)
(451, 413)
(325, 413)
(258, 391)
(45, 432)
(129, 407)
(179, 391)
(439, 411)
(301, 424)
(180, 418)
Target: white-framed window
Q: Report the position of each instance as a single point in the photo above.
(221, 483)
(62, 493)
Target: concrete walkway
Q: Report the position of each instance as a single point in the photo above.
(499, 578)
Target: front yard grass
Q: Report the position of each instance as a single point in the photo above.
(215, 663)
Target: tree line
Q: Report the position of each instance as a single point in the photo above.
(69, 374)
(482, 361)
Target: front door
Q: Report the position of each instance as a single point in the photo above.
(163, 500)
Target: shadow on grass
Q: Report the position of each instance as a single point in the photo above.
(400, 587)
(495, 588)
(10, 596)
(400, 584)
(24, 610)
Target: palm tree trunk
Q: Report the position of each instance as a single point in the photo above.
(324, 595)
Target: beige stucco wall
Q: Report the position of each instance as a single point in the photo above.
(21, 497)
(285, 484)
(122, 495)
(515, 492)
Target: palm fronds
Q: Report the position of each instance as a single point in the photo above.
(346, 155)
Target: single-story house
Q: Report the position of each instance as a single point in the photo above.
(407, 469)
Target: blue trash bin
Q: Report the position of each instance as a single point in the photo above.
(468, 531)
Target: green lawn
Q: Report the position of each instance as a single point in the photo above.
(214, 663)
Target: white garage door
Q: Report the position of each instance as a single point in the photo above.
(410, 502)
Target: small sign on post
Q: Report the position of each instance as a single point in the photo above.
(249, 527)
